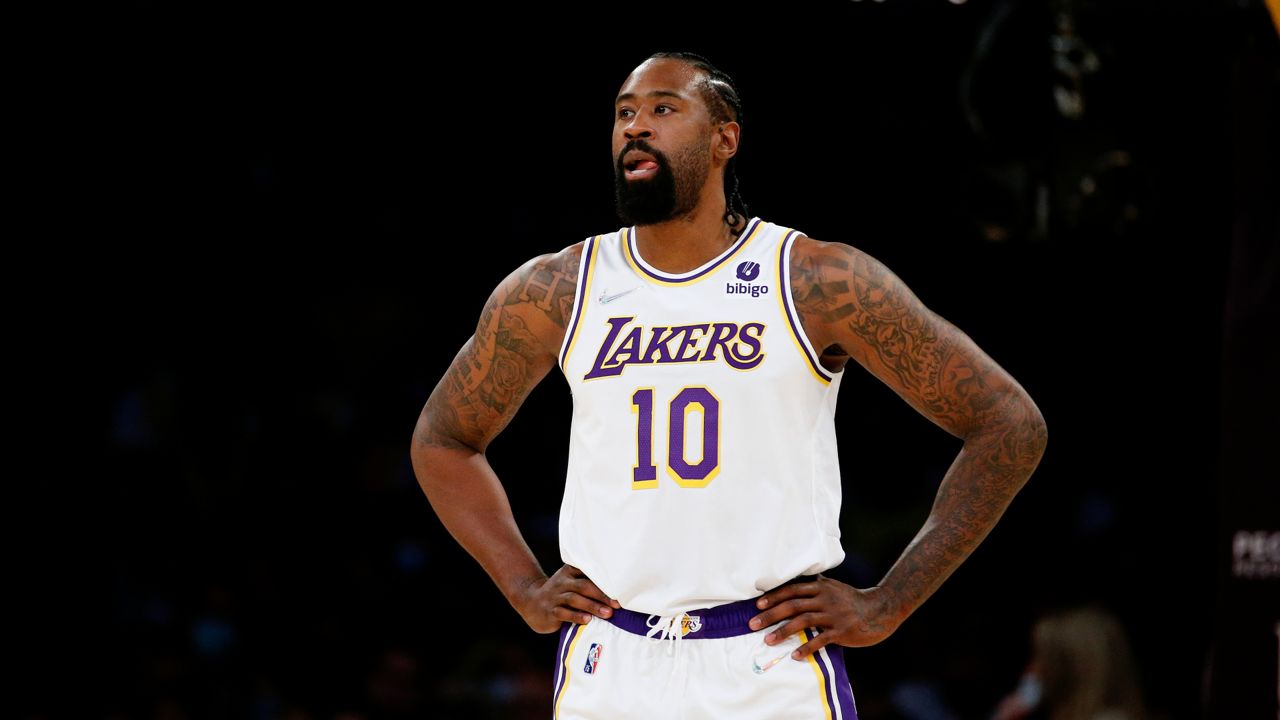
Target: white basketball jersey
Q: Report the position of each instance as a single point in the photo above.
(702, 455)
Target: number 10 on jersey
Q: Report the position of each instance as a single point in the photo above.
(690, 405)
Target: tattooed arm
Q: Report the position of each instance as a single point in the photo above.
(516, 343)
(852, 306)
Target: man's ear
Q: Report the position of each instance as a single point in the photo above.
(727, 134)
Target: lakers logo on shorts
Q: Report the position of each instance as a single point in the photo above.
(593, 658)
(690, 624)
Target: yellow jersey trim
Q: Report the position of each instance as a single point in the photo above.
(582, 301)
(569, 656)
(793, 323)
(817, 672)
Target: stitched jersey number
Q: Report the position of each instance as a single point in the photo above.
(685, 404)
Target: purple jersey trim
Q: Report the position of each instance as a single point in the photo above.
(719, 622)
(582, 297)
(635, 255)
(822, 668)
(844, 691)
(567, 632)
(785, 286)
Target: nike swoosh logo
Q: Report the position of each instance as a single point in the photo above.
(606, 299)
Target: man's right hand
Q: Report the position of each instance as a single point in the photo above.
(548, 604)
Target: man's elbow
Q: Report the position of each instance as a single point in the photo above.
(1038, 428)
(1019, 424)
(430, 438)
(429, 452)
(1030, 433)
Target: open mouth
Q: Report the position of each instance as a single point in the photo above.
(640, 167)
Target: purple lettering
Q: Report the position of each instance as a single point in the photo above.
(628, 348)
(598, 370)
(688, 341)
(658, 345)
(747, 361)
(742, 346)
(720, 335)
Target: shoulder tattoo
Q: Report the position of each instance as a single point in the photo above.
(516, 342)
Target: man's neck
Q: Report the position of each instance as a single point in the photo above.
(686, 243)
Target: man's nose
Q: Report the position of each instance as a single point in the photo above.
(638, 128)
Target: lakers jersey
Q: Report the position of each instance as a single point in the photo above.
(702, 454)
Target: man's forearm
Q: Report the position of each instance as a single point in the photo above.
(471, 502)
(991, 468)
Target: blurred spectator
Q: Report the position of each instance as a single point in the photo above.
(1081, 669)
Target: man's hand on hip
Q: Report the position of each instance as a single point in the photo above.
(561, 598)
(843, 614)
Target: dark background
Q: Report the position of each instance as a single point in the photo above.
(300, 211)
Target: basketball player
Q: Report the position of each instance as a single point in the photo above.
(704, 349)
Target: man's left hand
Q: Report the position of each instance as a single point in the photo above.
(843, 615)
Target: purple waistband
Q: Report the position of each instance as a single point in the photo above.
(721, 621)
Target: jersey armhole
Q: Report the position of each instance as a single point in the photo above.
(586, 266)
(793, 317)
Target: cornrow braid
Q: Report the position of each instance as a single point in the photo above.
(721, 98)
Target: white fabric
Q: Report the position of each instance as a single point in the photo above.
(770, 509)
(692, 679)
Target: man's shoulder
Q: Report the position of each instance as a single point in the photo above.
(807, 250)
(830, 254)
(565, 261)
(540, 294)
(568, 260)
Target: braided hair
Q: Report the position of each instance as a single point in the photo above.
(721, 99)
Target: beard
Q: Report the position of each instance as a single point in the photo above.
(672, 191)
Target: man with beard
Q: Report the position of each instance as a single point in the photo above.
(704, 349)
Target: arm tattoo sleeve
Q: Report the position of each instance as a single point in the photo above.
(848, 298)
(515, 344)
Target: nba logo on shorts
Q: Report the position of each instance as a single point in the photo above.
(593, 658)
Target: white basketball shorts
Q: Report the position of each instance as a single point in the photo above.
(698, 665)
